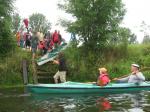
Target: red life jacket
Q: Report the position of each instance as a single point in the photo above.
(55, 37)
(41, 45)
(106, 105)
(104, 79)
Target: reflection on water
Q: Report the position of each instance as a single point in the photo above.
(15, 100)
(103, 104)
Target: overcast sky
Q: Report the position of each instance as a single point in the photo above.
(137, 11)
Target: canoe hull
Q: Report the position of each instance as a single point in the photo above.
(83, 89)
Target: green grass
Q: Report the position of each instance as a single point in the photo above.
(81, 68)
(11, 67)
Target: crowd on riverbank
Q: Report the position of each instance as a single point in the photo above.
(45, 42)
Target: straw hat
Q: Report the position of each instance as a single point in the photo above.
(102, 69)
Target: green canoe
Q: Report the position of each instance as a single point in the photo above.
(82, 88)
(51, 55)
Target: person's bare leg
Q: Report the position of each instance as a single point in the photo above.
(33, 56)
(56, 76)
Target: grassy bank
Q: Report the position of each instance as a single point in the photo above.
(81, 67)
(11, 67)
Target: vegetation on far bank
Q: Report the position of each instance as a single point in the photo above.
(81, 67)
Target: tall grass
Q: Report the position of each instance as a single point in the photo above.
(82, 66)
(11, 67)
(115, 59)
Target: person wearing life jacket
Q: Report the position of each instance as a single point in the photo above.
(45, 48)
(41, 47)
(60, 38)
(18, 38)
(55, 38)
(103, 78)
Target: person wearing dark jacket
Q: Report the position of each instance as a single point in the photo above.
(62, 68)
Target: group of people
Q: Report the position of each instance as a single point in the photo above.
(134, 77)
(37, 40)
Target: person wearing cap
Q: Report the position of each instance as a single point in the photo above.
(103, 78)
(134, 77)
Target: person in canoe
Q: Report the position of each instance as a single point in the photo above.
(103, 78)
(134, 77)
(62, 68)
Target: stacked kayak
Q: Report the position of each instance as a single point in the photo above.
(82, 88)
(51, 55)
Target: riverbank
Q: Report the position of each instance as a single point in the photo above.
(11, 67)
(115, 59)
(80, 68)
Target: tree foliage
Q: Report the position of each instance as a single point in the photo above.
(122, 36)
(146, 39)
(6, 9)
(16, 21)
(95, 19)
(145, 29)
(38, 22)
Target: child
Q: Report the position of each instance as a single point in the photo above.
(103, 78)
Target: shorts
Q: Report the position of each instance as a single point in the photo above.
(34, 50)
(61, 75)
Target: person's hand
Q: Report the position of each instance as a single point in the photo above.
(133, 73)
(54, 61)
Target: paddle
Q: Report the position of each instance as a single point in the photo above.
(142, 69)
(120, 77)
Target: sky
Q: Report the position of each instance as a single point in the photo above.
(137, 11)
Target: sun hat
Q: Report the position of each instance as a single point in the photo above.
(102, 69)
(136, 65)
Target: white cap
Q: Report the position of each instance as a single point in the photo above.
(136, 65)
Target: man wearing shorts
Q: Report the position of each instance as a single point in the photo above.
(62, 69)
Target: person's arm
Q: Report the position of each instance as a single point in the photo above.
(125, 79)
(56, 62)
(140, 76)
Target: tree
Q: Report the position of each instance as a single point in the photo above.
(16, 19)
(95, 19)
(123, 36)
(146, 39)
(132, 39)
(38, 22)
(6, 9)
(145, 29)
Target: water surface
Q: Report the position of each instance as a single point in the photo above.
(18, 100)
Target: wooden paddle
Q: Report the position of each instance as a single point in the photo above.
(142, 69)
(120, 77)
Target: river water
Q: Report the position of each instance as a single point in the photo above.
(18, 100)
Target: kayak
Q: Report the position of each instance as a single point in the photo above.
(84, 88)
(51, 55)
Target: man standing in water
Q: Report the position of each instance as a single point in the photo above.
(62, 68)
